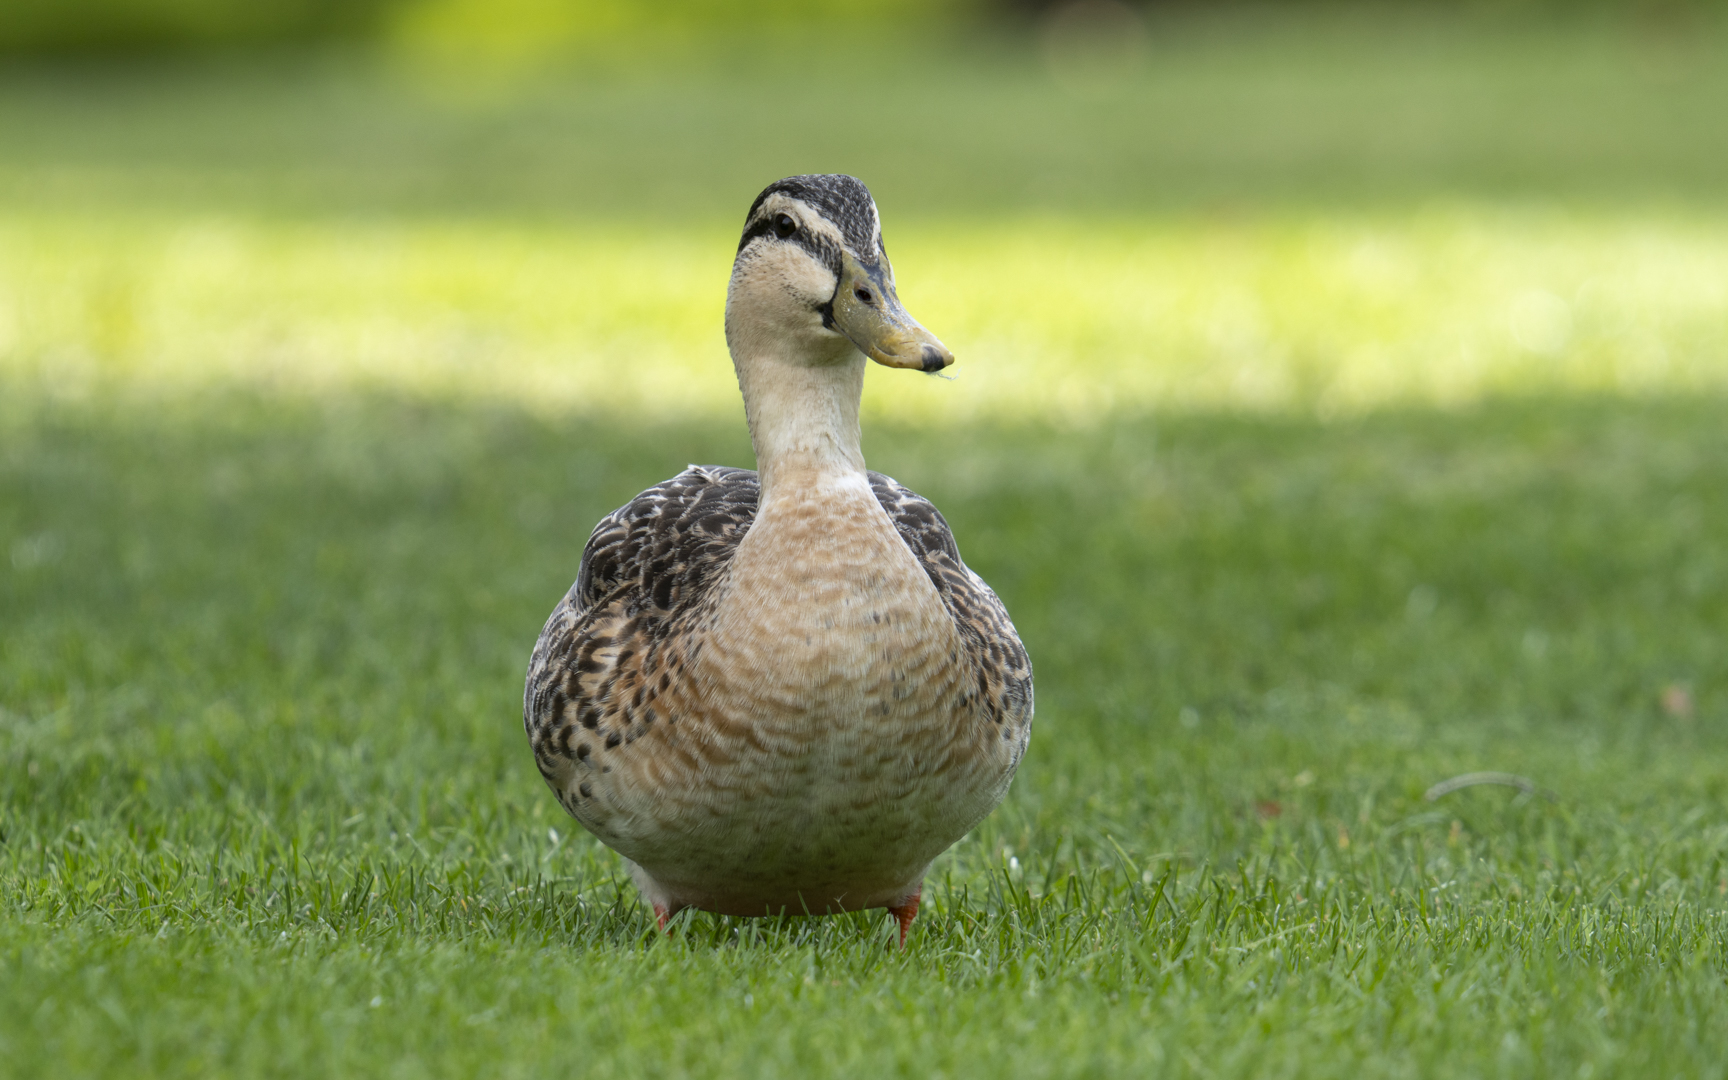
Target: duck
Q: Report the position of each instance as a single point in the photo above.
(781, 691)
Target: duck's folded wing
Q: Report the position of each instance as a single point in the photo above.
(663, 546)
(645, 563)
(1004, 671)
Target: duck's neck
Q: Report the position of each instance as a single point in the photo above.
(803, 420)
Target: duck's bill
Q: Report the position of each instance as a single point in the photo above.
(867, 310)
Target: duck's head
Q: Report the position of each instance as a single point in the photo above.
(812, 281)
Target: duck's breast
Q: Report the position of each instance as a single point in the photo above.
(824, 742)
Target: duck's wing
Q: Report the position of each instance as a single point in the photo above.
(661, 547)
(645, 564)
(1004, 671)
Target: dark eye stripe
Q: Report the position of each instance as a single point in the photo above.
(757, 228)
(821, 248)
(767, 227)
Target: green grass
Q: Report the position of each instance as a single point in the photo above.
(1315, 469)
(264, 766)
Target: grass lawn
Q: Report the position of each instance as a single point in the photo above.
(1389, 468)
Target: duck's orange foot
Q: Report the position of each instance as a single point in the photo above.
(661, 915)
(905, 912)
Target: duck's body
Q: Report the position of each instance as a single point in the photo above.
(782, 692)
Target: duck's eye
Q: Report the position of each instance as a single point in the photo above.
(864, 295)
(784, 226)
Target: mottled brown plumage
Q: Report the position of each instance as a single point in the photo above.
(785, 692)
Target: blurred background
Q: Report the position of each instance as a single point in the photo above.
(1105, 205)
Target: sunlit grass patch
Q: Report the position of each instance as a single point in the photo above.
(1326, 312)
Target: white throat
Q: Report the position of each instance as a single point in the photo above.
(803, 420)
